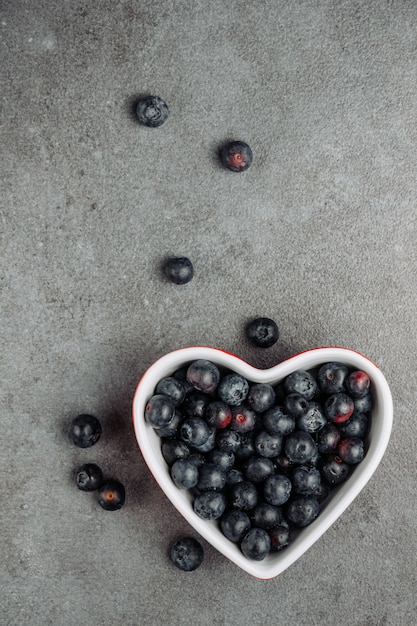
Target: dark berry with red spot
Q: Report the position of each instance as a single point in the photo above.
(358, 383)
(203, 375)
(243, 419)
(236, 156)
(179, 270)
(218, 414)
(152, 111)
(111, 495)
(85, 430)
(351, 450)
(280, 537)
(263, 332)
(187, 554)
(338, 408)
(89, 477)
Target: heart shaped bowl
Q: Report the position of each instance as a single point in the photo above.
(340, 497)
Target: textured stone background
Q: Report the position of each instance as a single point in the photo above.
(319, 234)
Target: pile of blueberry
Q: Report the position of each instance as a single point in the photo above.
(85, 430)
(260, 459)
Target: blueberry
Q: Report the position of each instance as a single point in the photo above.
(328, 438)
(333, 470)
(89, 477)
(210, 505)
(203, 375)
(236, 156)
(170, 430)
(233, 389)
(338, 407)
(358, 383)
(268, 445)
(257, 468)
(243, 496)
(187, 554)
(305, 480)
(173, 449)
(278, 421)
(209, 444)
(280, 537)
(283, 464)
(223, 458)
(152, 111)
(351, 450)
(172, 387)
(85, 430)
(313, 420)
(266, 515)
(263, 332)
(218, 414)
(331, 377)
(277, 489)
(300, 447)
(243, 419)
(363, 404)
(228, 440)
(179, 270)
(303, 510)
(111, 495)
(212, 477)
(355, 426)
(194, 431)
(256, 544)
(301, 382)
(234, 525)
(296, 404)
(261, 397)
(184, 474)
(159, 410)
(195, 404)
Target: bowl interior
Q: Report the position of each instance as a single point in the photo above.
(340, 497)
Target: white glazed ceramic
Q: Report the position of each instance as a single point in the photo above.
(338, 501)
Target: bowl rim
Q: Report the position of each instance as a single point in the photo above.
(379, 435)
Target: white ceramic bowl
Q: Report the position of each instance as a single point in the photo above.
(340, 498)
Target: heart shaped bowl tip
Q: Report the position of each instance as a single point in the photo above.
(340, 497)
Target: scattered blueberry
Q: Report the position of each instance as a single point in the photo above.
(111, 495)
(236, 156)
(179, 270)
(89, 477)
(152, 111)
(187, 554)
(85, 430)
(263, 332)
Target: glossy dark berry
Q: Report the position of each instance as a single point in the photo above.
(203, 375)
(222, 458)
(85, 430)
(243, 496)
(184, 474)
(263, 332)
(234, 525)
(278, 421)
(277, 489)
(172, 387)
(355, 426)
(152, 111)
(210, 505)
(306, 480)
(280, 537)
(358, 383)
(187, 554)
(179, 270)
(333, 470)
(296, 404)
(236, 156)
(363, 404)
(209, 444)
(170, 430)
(338, 408)
(233, 389)
(261, 397)
(268, 445)
(351, 450)
(328, 438)
(218, 414)
(173, 449)
(256, 544)
(111, 495)
(331, 377)
(243, 419)
(266, 515)
(257, 468)
(303, 510)
(195, 431)
(212, 477)
(89, 477)
(282, 464)
(228, 440)
(300, 447)
(301, 382)
(159, 410)
(313, 420)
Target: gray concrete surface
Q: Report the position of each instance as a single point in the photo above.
(319, 234)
